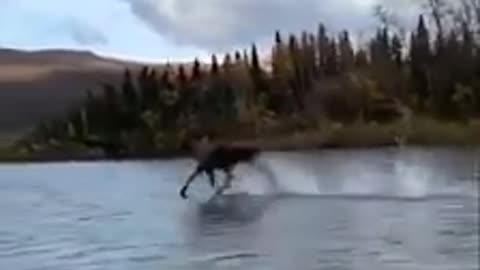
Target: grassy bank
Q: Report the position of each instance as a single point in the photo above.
(417, 132)
(421, 131)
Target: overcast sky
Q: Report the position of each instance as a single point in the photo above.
(156, 30)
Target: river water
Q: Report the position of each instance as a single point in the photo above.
(411, 208)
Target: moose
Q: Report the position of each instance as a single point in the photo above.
(221, 157)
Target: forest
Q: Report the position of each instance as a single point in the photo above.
(320, 84)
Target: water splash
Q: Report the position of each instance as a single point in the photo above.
(388, 174)
(277, 176)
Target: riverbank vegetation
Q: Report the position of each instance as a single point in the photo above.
(317, 90)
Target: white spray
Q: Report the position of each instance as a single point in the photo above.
(384, 174)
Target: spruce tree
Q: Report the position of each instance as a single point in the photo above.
(331, 65)
(238, 57)
(181, 76)
(322, 49)
(420, 55)
(214, 65)
(142, 83)
(227, 63)
(278, 65)
(346, 51)
(153, 86)
(128, 89)
(246, 60)
(165, 79)
(396, 50)
(361, 58)
(255, 61)
(296, 77)
(196, 70)
(312, 56)
(278, 38)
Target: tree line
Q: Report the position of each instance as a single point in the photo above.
(434, 70)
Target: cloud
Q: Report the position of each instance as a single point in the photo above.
(84, 34)
(221, 24)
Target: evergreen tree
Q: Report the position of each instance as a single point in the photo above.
(110, 99)
(111, 121)
(227, 63)
(128, 90)
(261, 89)
(438, 10)
(282, 72)
(165, 79)
(380, 47)
(307, 62)
(238, 57)
(278, 38)
(296, 77)
(246, 60)
(421, 47)
(361, 58)
(420, 62)
(304, 41)
(444, 74)
(331, 64)
(181, 76)
(278, 62)
(312, 56)
(294, 51)
(468, 42)
(196, 70)
(346, 52)
(143, 84)
(255, 62)
(214, 67)
(397, 47)
(153, 85)
(147, 81)
(323, 48)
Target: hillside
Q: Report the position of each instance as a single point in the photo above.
(36, 85)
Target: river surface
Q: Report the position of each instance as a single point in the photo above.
(412, 208)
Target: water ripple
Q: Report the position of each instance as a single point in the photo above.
(374, 210)
(142, 259)
(27, 252)
(225, 256)
(94, 251)
(122, 215)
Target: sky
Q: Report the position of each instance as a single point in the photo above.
(170, 30)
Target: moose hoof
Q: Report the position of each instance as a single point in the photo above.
(183, 192)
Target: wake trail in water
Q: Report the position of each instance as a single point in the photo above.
(397, 178)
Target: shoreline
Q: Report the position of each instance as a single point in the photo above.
(418, 132)
(182, 155)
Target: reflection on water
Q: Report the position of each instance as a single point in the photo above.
(240, 209)
(356, 209)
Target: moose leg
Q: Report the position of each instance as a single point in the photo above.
(183, 191)
(228, 180)
(211, 178)
(227, 184)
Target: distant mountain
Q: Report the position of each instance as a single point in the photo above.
(38, 85)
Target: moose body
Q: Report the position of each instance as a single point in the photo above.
(224, 158)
